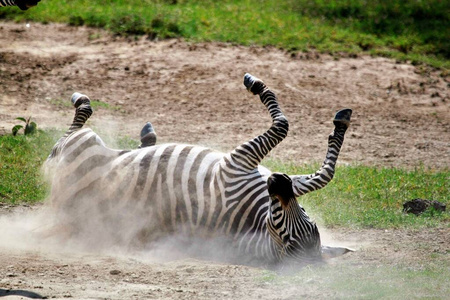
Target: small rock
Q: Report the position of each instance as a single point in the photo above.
(418, 206)
(115, 272)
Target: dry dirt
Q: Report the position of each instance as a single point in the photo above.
(193, 93)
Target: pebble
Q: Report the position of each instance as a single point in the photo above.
(115, 272)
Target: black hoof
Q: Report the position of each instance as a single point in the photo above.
(342, 118)
(78, 99)
(253, 84)
(148, 136)
(147, 129)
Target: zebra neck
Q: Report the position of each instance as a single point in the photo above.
(260, 246)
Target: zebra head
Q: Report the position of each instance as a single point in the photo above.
(295, 236)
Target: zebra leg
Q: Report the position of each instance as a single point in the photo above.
(148, 136)
(83, 111)
(22, 4)
(307, 183)
(250, 154)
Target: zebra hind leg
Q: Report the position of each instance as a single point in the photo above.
(79, 99)
(148, 136)
(83, 111)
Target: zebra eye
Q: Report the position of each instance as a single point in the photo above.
(285, 239)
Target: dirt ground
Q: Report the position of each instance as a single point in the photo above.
(193, 93)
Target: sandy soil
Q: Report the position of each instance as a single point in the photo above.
(193, 93)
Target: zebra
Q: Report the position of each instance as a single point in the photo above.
(22, 4)
(193, 190)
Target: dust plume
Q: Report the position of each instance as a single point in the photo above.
(128, 234)
(36, 229)
(101, 223)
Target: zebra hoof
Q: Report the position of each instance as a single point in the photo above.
(78, 99)
(331, 252)
(148, 136)
(342, 118)
(253, 84)
(148, 127)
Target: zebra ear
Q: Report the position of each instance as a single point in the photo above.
(280, 187)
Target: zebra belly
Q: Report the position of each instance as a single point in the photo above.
(159, 189)
(154, 191)
(176, 184)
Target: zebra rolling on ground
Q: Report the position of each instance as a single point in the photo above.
(22, 4)
(158, 190)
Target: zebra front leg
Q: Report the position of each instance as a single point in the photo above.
(307, 183)
(249, 155)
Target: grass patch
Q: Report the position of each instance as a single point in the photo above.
(417, 31)
(21, 160)
(95, 104)
(60, 103)
(373, 197)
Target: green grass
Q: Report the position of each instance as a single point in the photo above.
(96, 104)
(405, 30)
(359, 196)
(21, 160)
(373, 197)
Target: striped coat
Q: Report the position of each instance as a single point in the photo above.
(158, 190)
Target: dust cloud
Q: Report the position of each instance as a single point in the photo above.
(37, 230)
(90, 230)
(98, 221)
(102, 224)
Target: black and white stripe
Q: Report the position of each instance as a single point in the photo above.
(22, 4)
(192, 189)
(7, 3)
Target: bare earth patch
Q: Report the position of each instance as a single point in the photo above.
(193, 93)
